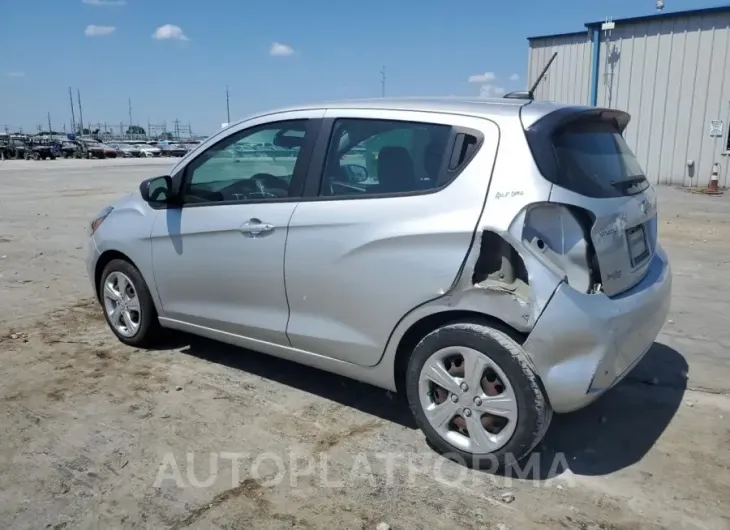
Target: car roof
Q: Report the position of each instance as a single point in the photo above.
(531, 110)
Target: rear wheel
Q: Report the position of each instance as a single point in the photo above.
(475, 396)
(128, 306)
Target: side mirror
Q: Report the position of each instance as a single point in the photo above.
(157, 190)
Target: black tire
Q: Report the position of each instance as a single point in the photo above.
(148, 332)
(533, 410)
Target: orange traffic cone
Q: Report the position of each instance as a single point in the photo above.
(714, 178)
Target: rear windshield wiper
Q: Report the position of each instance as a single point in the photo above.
(627, 180)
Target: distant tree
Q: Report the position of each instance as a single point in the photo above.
(86, 132)
(165, 136)
(135, 129)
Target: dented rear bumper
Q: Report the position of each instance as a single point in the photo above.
(583, 344)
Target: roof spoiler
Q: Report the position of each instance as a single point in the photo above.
(530, 94)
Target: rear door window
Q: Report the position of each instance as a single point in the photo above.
(369, 157)
(593, 159)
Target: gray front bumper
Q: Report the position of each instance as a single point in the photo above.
(92, 256)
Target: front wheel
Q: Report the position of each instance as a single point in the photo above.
(128, 306)
(474, 394)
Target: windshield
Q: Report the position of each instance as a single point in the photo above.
(593, 155)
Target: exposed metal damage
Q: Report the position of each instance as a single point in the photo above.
(512, 274)
(501, 280)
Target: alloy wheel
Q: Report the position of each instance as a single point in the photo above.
(468, 399)
(121, 304)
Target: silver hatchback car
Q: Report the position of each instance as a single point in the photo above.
(495, 260)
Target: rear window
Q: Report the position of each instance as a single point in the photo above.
(593, 159)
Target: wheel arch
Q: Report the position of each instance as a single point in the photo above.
(107, 257)
(425, 325)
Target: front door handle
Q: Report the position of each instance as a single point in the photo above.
(254, 227)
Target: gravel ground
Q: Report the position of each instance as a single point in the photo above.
(202, 435)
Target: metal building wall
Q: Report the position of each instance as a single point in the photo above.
(569, 77)
(673, 77)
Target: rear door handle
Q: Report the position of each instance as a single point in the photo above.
(254, 227)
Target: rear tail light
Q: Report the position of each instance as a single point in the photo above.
(560, 237)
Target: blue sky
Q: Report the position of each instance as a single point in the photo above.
(270, 54)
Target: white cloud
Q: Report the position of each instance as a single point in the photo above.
(280, 50)
(169, 32)
(98, 31)
(486, 77)
(491, 91)
(16, 74)
(514, 77)
(104, 2)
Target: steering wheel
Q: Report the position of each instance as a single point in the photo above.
(270, 180)
(249, 189)
(262, 195)
(267, 180)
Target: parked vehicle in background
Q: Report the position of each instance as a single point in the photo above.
(172, 150)
(495, 261)
(43, 149)
(93, 148)
(129, 150)
(14, 147)
(109, 152)
(117, 149)
(72, 149)
(4, 147)
(149, 150)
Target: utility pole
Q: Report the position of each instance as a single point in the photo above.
(49, 124)
(81, 114)
(382, 82)
(130, 112)
(73, 117)
(228, 106)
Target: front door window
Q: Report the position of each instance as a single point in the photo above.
(254, 164)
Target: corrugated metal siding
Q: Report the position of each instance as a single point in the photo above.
(569, 77)
(673, 77)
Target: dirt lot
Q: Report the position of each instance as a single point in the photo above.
(201, 435)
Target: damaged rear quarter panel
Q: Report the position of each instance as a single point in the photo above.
(516, 183)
